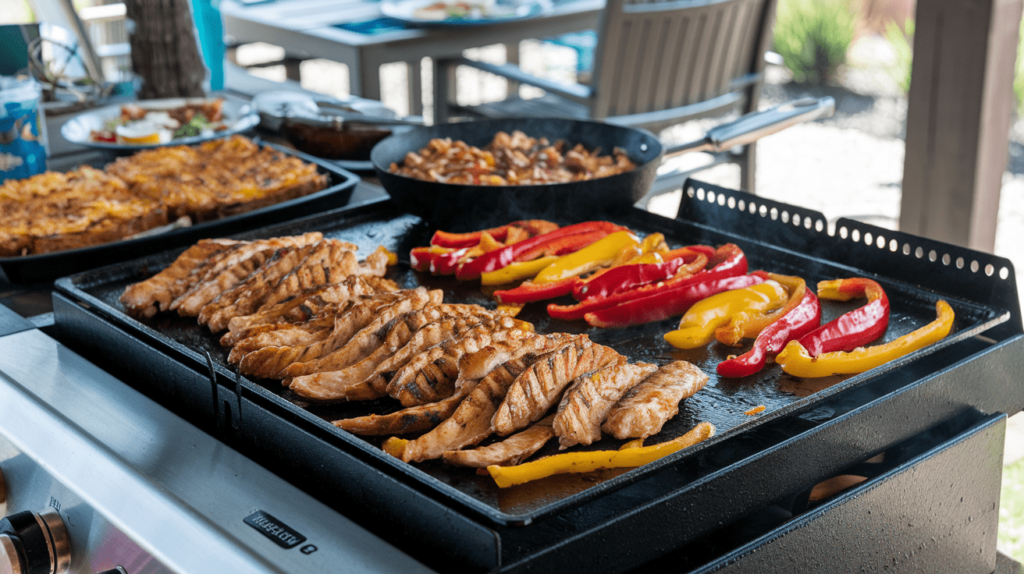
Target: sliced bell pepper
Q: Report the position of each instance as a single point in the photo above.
(517, 271)
(635, 274)
(598, 254)
(532, 226)
(529, 292)
(855, 328)
(667, 304)
(697, 327)
(447, 263)
(728, 261)
(749, 323)
(553, 243)
(794, 324)
(797, 361)
(587, 461)
(422, 258)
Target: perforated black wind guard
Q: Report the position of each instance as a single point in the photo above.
(939, 267)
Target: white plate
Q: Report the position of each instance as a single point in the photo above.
(238, 117)
(490, 12)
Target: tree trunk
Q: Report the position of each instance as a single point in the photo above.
(165, 54)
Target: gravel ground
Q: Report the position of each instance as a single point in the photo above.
(850, 165)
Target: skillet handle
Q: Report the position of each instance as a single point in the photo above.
(756, 125)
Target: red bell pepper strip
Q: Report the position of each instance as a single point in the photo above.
(447, 263)
(529, 292)
(728, 261)
(668, 304)
(532, 226)
(799, 321)
(631, 276)
(557, 241)
(423, 258)
(855, 328)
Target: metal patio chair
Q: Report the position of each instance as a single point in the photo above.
(657, 64)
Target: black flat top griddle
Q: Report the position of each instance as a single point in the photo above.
(775, 237)
(49, 266)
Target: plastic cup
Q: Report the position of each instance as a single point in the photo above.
(22, 148)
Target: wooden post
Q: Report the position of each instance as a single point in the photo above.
(958, 119)
(165, 53)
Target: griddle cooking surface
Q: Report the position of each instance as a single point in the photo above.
(723, 402)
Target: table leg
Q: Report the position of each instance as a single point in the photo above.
(512, 57)
(444, 88)
(414, 70)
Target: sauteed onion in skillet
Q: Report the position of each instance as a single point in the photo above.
(515, 159)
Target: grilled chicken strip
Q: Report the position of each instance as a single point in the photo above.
(587, 401)
(355, 384)
(409, 420)
(466, 426)
(251, 293)
(303, 306)
(236, 266)
(471, 422)
(431, 376)
(270, 361)
(511, 451)
(540, 386)
(645, 408)
(145, 298)
(413, 322)
(330, 263)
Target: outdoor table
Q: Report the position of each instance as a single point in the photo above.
(355, 33)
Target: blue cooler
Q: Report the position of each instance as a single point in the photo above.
(22, 151)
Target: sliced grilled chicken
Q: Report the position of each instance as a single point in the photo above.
(587, 401)
(645, 408)
(303, 306)
(270, 362)
(354, 384)
(236, 266)
(465, 426)
(409, 420)
(145, 298)
(330, 263)
(431, 376)
(255, 289)
(511, 451)
(293, 336)
(540, 387)
(367, 338)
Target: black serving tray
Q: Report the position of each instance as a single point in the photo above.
(776, 237)
(48, 266)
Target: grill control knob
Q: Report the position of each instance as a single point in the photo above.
(34, 543)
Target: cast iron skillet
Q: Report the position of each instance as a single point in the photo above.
(447, 204)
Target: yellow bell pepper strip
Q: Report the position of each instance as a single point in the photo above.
(697, 327)
(392, 256)
(394, 446)
(856, 328)
(795, 324)
(510, 310)
(531, 226)
(587, 461)
(754, 411)
(749, 323)
(660, 300)
(517, 271)
(596, 255)
(561, 276)
(797, 361)
(558, 242)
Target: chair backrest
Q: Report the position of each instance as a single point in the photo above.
(656, 55)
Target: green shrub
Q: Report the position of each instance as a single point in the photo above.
(813, 36)
(902, 42)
